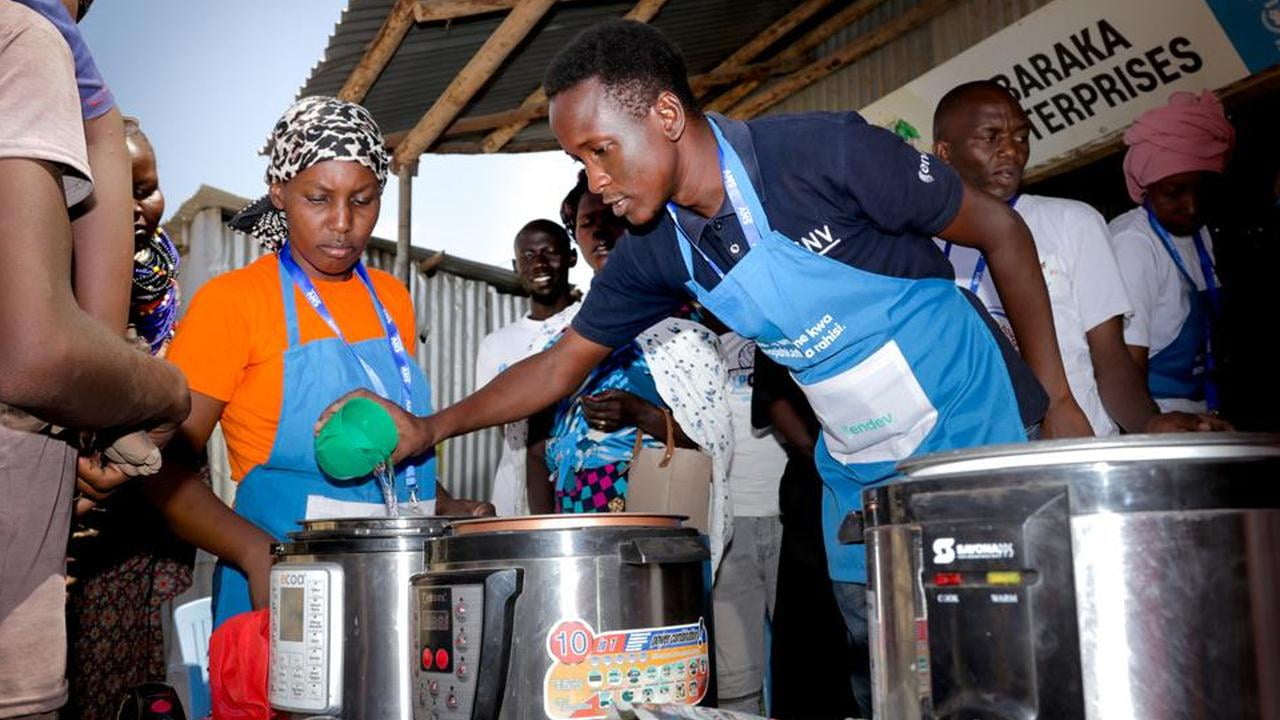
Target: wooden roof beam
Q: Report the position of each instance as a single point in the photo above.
(435, 10)
(522, 18)
(769, 36)
(864, 45)
(472, 147)
(642, 11)
(380, 51)
(806, 44)
(529, 113)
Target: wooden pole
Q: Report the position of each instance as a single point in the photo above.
(436, 10)
(529, 113)
(864, 45)
(380, 51)
(770, 35)
(642, 11)
(404, 238)
(472, 77)
(803, 46)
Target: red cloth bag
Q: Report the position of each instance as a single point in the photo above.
(239, 656)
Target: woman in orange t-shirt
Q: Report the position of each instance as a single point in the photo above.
(267, 347)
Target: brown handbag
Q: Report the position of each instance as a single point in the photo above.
(671, 480)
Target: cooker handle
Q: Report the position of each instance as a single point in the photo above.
(664, 550)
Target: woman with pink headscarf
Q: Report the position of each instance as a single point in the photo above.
(1164, 250)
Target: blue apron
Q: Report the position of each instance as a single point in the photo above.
(1184, 367)
(273, 495)
(893, 367)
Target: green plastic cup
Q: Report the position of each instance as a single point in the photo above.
(356, 440)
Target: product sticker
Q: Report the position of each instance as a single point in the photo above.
(589, 673)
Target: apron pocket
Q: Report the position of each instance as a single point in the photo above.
(875, 411)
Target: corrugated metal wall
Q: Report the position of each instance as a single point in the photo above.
(906, 58)
(454, 313)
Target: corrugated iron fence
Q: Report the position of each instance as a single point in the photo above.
(454, 312)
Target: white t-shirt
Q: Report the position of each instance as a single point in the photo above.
(1160, 296)
(499, 350)
(758, 459)
(1084, 283)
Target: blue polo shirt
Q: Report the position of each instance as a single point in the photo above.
(828, 181)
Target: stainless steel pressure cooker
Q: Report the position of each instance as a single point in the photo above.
(561, 616)
(1134, 578)
(340, 617)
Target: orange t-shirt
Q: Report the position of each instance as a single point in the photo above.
(232, 339)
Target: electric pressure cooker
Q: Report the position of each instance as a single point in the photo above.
(561, 616)
(1134, 578)
(340, 617)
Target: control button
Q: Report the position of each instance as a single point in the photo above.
(460, 611)
(313, 689)
(428, 658)
(433, 687)
(462, 671)
(442, 658)
(462, 640)
(160, 707)
(315, 673)
(315, 638)
(451, 702)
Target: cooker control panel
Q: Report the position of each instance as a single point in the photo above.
(449, 620)
(306, 637)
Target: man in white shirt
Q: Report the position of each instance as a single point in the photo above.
(982, 132)
(1165, 251)
(746, 584)
(543, 257)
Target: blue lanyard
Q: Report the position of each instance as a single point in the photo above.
(1202, 253)
(1211, 289)
(746, 218)
(303, 283)
(980, 267)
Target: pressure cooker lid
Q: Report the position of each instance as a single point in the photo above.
(1127, 449)
(566, 522)
(373, 527)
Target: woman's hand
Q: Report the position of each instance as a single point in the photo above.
(1065, 419)
(613, 410)
(98, 480)
(414, 435)
(1186, 422)
(460, 507)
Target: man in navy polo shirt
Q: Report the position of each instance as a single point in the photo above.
(812, 235)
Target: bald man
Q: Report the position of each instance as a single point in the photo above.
(982, 133)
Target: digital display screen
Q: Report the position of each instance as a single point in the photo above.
(435, 620)
(291, 614)
(435, 606)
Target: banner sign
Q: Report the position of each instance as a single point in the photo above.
(1083, 69)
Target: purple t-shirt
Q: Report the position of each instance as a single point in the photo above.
(95, 96)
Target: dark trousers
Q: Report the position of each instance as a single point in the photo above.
(810, 663)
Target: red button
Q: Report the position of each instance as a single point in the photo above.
(442, 658)
(426, 658)
(160, 707)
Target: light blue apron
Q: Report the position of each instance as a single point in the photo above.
(1184, 367)
(893, 367)
(274, 494)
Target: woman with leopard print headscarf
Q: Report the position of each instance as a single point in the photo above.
(265, 348)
